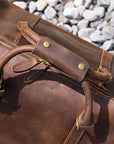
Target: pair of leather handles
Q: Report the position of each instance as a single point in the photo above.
(63, 59)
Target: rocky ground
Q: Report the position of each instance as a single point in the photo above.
(92, 20)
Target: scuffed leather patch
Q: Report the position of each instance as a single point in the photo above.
(25, 65)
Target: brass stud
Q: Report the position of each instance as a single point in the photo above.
(46, 44)
(81, 66)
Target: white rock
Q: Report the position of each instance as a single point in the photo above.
(83, 24)
(20, 4)
(111, 52)
(94, 24)
(108, 32)
(90, 15)
(100, 11)
(68, 28)
(44, 17)
(68, 13)
(78, 2)
(112, 22)
(73, 22)
(81, 10)
(75, 29)
(85, 33)
(87, 3)
(75, 13)
(41, 4)
(54, 21)
(62, 18)
(112, 14)
(52, 2)
(59, 7)
(111, 7)
(32, 6)
(104, 3)
(50, 12)
(108, 45)
(100, 26)
(37, 13)
(96, 37)
(62, 26)
(88, 40)
(69, 5)
(71, 13)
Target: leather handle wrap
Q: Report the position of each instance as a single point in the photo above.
(62, 58)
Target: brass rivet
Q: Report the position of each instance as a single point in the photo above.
(46, 44)
(81, 66)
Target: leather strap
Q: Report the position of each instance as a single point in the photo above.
(106, 61)
(77, 136)
(32, 21)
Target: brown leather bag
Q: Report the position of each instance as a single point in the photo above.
(43, 99)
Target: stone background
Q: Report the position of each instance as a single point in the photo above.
(92, 20)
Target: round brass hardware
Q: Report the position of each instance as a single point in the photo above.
(46, 44)
(81, 66)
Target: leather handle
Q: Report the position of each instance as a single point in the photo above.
(14, 52)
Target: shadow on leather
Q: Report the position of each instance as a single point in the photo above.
(52, 80)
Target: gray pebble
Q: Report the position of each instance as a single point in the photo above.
(52, 3)
(108, 45)
(85, 33)
(108, 32)
(41, 5)
(83, 24)
(20, 4)
(32, 6)
(97, 38)
(104, 3)
(90, 15)
(50, 12)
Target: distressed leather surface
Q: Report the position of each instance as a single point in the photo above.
(44, 111)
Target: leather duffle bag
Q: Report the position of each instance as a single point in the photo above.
(55, 88)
